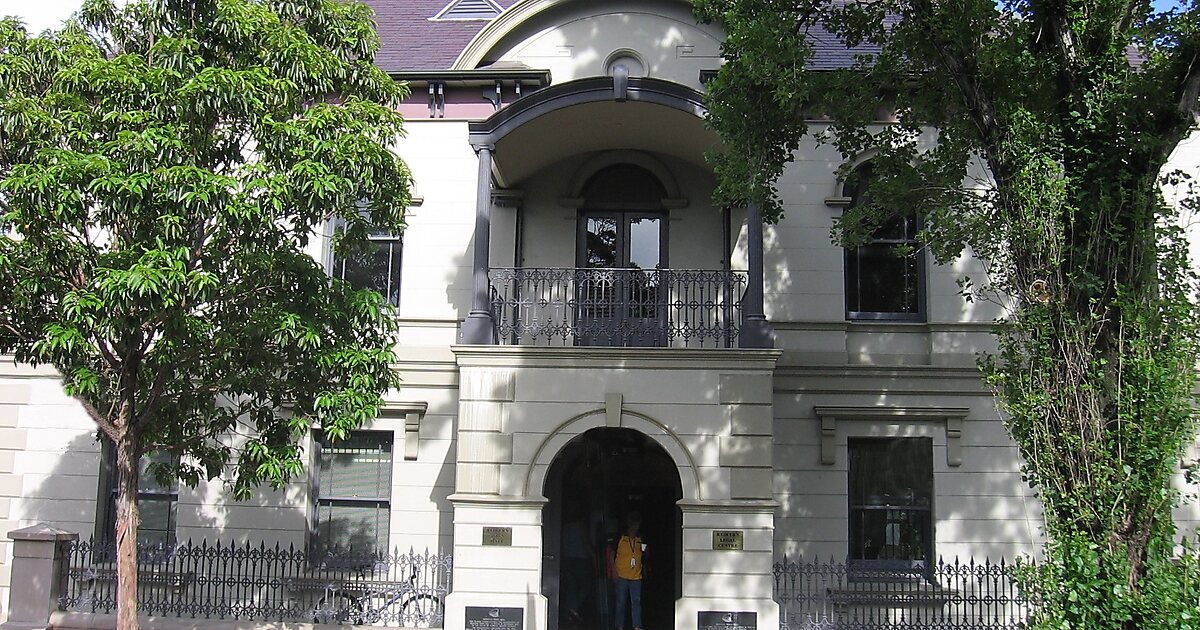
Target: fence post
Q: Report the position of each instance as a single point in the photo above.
(39, 554)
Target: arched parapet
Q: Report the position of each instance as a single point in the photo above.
(556, 440)
(576, 39)
(584, 91)
(648, 115)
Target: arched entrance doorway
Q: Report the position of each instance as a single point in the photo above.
(594, 482)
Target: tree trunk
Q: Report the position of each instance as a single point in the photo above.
(127, 526)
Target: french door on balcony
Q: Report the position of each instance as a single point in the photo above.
(621, 288)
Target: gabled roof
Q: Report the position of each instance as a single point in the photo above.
(469, 10)
(414, 40)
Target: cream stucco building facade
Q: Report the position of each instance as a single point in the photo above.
(581, 338)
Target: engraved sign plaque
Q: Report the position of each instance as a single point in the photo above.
(494, 618)
(727, 540)
(726, 620)
(497, 536)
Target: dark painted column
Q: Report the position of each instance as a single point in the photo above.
(756, 330)
(480, 327)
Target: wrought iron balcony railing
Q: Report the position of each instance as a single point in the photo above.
(563, 306)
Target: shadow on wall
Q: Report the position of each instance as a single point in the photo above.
(77, 494)
(981, 508)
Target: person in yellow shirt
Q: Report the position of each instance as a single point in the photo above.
(628, 563)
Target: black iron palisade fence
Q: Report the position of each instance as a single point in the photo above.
(229, 581)
(564, 306)
(815, 595)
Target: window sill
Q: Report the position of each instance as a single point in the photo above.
(856, 317)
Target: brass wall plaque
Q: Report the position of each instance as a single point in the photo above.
(497, 536)
(727, 540)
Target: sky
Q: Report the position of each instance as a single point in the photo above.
(39, 15)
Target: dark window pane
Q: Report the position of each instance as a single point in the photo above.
(603, 246)
(158, 520)
(624, 183)
(377, 268)
(896, 228)
(891, 499)
(889, 534)
(884, 280)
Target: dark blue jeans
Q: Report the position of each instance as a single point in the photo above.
(634, 590)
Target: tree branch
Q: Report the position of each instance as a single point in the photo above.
(1189, 91)
(153, 399)
(979, 103)
(101, 420)
(1055, 26)
(1129, 12)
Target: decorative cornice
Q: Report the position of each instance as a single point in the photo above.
(479, 77)
(497, 500)
(728, 506)
(831, 415)
(873, 412)
(623, 358)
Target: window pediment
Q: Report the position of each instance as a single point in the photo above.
(953, 418)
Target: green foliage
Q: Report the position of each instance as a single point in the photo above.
(1081, 584)
(1032, 135)
(162, 168)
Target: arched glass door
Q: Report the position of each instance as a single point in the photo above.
(622, 252)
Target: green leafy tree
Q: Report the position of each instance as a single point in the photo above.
(162, 168)
(1071, 109)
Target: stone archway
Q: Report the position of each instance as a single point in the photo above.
(595, 480)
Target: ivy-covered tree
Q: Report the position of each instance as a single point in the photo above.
(1069, 109)
(163, 165)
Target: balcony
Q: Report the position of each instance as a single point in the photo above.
(566, 306)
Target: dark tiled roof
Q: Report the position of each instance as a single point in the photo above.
(830, 53)
(411, 41)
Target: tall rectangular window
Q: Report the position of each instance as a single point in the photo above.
(352, 489)
(156, 502)
(891, 503)
(884, 275)
(378, 267)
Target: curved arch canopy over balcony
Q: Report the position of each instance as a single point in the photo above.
(593, 115)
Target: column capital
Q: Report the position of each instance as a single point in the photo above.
(480, 146)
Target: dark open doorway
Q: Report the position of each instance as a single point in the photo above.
(597, 479)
